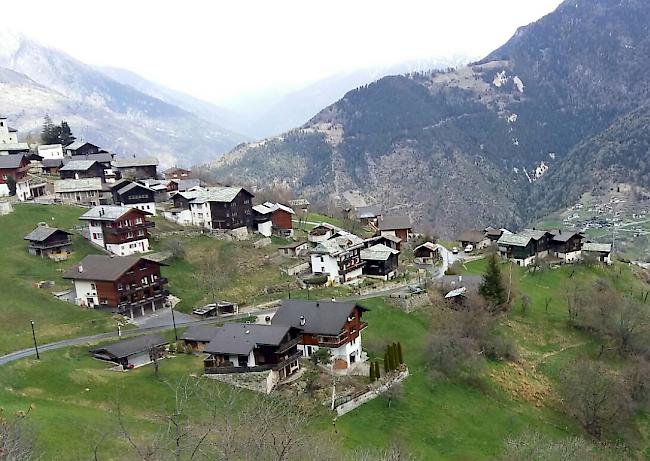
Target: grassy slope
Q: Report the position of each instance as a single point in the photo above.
(21, 301)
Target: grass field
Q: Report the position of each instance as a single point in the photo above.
(21, 301)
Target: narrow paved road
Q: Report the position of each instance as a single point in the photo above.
(113, 334)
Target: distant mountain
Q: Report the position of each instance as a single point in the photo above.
(270, 115)
(484, 144)
(100, 109)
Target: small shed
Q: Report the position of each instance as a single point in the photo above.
(602, 252)
(45, 241)
(427, 253)
(134, 352)
(294, 249)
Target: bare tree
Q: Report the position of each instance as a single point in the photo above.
(16, 439)
(394, 392)
(539, 447)
(597, 399)
(215, 271)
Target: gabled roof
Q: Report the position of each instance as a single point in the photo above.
(262, 209)
(201, 333)
(49, 146)
(128, 347)
(77, 165)
(278, 206)
(388, 223)
(535, 234)
(76, 145)
(341, 242)
(472, 236)
(379, 252)
(427, 245)
(217, 194)
(515, 240)
(132, 186)
(321, 317)
(175, 170)
(52, 162)
(101, 157)
(14, 146)
(242, 338)
(11, 161)
(42, 233)
(108, 213)
(565, 236)
(102, 267)
(78, 185)
(597, 247)
(185, 184)
(12, 130)
(129, 162)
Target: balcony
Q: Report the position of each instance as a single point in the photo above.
(212, 370)
(50, 245)
(134, 229)
(131, 289)
(157, 296)
(288, 345)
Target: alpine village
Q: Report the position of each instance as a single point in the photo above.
(305, 297)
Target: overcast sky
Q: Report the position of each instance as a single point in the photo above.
(221, 50)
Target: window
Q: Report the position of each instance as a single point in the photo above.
(120, 286)
(139, 220)
(144, 281)
(129, 235)
(140, 233)
(92, 286)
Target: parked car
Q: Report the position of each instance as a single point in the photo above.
(469, 248)
(454, 250)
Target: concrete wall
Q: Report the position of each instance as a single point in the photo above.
(371, 394)
(130, 248)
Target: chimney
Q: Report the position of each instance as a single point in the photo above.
(302, 321)
(81, 268)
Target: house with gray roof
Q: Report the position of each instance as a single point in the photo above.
(245, 347)
(122, 230)
(399, 226)
(136, 167)
(46, 241)
(81, 169)
(525, 247)
(126, 285)
(333, 325)
(84, 192)
(380, 261)
(601, 252)
(339, 257)
(80, 147)
(134, 352)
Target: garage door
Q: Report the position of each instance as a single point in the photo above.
(140, 359)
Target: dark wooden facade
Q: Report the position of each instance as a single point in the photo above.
(130, 227)
(139, 171)
(282, 219)
(381, 268)
(136, 291)
(231, 215)
(17, 173)
(95, 171)
(57, 243)
(85, 149)
(137, 194)
(348, 333)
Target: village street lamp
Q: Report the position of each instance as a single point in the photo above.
(38, 357)
(174, 322)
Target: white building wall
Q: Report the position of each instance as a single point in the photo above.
(387, 233)
(149, 207)
(96, 234)
(265, 228)
(22, 191)
(342, 352)
(201, 214)
(325, 264)
(127, 249)
(184, 218)
(83, 291)
(51, 152)
(5, 136)
(4, 190)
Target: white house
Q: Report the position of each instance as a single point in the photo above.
(339, 258)
(120, 230)
(50, 151)
(8, 135)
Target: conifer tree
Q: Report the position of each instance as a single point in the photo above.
(399, 353)
(372, 372)
(65, 134)
(377, 372)
(48, 134)
(491, 288)
(386, 363)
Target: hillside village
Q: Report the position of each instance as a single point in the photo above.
(270, 297)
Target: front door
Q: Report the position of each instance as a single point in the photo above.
(91, 302)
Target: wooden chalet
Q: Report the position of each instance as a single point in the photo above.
(127, 285)
(524, 247)
(135, 195)
(566, 245)
(398, 226)
(80, 148)
(601, 252)
(380, 261)
(476, 238)
(427, 253)
(325, 324)
(12, 167)
(45, 241)
(81, 169)
(121, 230)
(243, 347)
(176, 173)
(137, 167)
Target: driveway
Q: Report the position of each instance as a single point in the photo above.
(162, 318)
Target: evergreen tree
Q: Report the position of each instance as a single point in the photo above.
(48, 135)
(386, 363)
(491, 288)
(393, 349)
(399, 353)
(372, 372)
(377, 372)
(65, 134)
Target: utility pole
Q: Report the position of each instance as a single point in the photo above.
(38, 357)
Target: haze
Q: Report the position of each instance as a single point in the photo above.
(226, 51)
